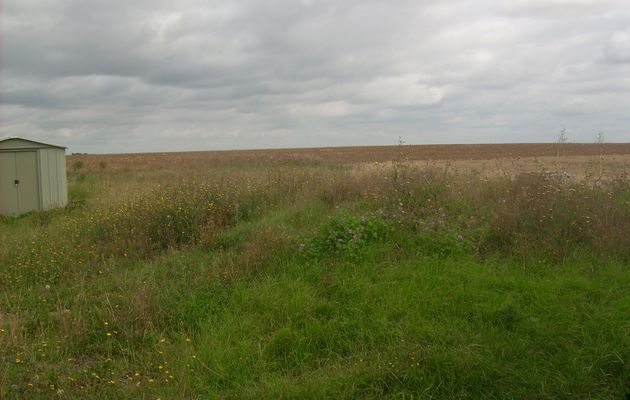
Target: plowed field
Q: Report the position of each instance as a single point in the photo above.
(467, 156)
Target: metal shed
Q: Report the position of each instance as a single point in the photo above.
(32, 176)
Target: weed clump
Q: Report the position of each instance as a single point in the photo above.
(533, 215)
(77, 165)
(558, 220)
(347, 235)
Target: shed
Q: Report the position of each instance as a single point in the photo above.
(32, 176)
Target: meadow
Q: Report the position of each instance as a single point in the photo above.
(496, 272)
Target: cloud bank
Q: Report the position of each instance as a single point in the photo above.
(140, 75)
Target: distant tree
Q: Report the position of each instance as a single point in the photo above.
(600, 141)
(600, 138)
(562, 136)
(561, 140)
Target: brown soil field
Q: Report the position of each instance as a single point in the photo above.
(491, 158)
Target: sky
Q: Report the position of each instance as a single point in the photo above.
(160, 75)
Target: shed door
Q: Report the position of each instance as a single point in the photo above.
(26, 175)
(8, 190)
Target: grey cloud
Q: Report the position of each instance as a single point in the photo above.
(618, 48)
(147, 75)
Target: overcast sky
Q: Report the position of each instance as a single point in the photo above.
(156, 75)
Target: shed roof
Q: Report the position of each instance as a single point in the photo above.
(16, 143)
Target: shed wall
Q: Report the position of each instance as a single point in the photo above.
(44, 179)
(48, 174)
(62, 177)
(53, 178)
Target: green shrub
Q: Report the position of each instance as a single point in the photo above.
(77, 195)
(347, 235)
(77, 165)
(81, 177)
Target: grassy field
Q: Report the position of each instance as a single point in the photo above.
(288, 274)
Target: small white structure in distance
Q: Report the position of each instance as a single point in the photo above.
(32, 176)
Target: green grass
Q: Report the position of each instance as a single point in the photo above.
(324, 289)
(445, 329)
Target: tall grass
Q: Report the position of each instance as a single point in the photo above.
(299, 279)
(531, 215)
